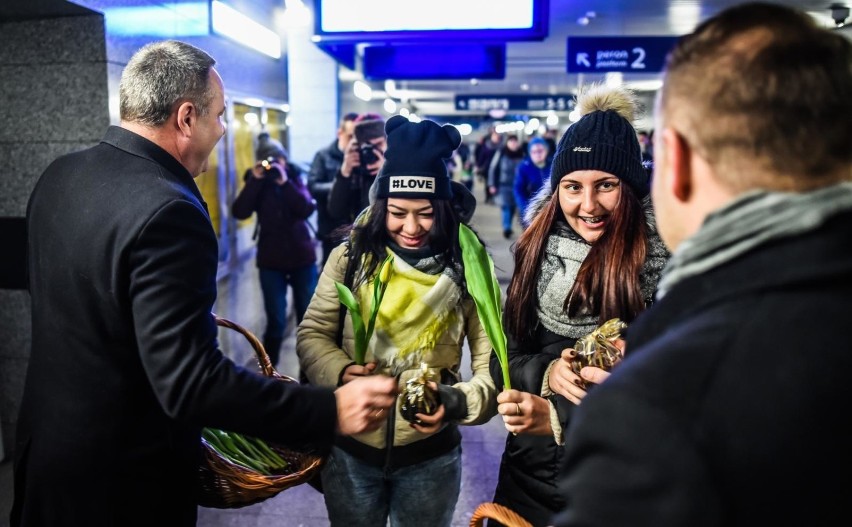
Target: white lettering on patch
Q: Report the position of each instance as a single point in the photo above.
(582, 148)
(412, 184)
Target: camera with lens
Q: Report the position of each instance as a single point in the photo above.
(367, 155)
(270, 170)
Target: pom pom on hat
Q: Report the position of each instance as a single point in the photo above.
(268, 147)
(603, 139)
(414, 164)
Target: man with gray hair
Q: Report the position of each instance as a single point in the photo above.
(731, 406)
(125, 368)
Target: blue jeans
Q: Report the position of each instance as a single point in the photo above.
(507, 205)
(358, 494)
(274, 284)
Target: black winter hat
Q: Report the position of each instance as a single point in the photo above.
(603, 139)
(268, 147)
(414, 164)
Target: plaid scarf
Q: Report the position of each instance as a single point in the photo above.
(418, 308)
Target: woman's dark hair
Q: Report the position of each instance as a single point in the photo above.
(371, 238)
(607, 283)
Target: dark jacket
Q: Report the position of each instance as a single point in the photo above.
(530, 465)
(125, 368)
(504, 166)
(732, 406)
(285, 242)
(325, 166)
(528, 181)
(349, 195)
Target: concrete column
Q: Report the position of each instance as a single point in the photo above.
(313, 95)
(53, 100)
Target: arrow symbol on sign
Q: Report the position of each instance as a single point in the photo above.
(583, 59)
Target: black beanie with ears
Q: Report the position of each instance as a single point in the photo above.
(415, 160)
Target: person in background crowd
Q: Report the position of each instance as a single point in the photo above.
(407, 472)
(364, 156)
(286, 255)
(501, 177)
(731, 407)
(532, 173)
(645, 143)
(125, 370)
(460, 166)
(324, 168)
(483, 153)
(591, 253)
(550, 135)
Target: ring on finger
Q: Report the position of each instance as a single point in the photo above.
(518, 412)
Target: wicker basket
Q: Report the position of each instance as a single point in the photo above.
(493, 511)
(224, 485)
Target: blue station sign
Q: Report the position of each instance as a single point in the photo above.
(624, 54)
(527, 103)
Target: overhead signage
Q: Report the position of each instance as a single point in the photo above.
(527, 103)
(623, 54)
(435, 61)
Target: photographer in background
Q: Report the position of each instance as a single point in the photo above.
(286, 257)
(362, 160)
(325, 166)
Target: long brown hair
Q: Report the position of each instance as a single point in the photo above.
(607, 283)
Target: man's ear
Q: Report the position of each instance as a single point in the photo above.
(186, 115)
(678, 156)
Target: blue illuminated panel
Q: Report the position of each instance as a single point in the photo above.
(459, 61)
(451, 20)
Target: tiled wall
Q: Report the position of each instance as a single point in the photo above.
(53, 100)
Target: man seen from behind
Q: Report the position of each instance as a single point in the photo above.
(731, 406)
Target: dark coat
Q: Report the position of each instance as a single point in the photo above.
(349, 195)
(285, 242)
(125, 368)
(529, 468)
(732, 406)
(325, 166)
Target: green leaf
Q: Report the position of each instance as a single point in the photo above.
(348, 299)
(483, 287)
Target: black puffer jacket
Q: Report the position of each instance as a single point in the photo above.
(285, 242)
(530, 464)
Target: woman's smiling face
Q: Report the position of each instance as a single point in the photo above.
(587, 198)
(409, 221)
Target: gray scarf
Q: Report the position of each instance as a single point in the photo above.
(564, 253)
(749, 221)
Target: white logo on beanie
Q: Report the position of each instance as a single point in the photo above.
(411, 184)
(582, 148)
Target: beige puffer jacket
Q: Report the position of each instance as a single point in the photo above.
(323, 362)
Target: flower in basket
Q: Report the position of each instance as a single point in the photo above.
(598, 348)
(245, 451)
(363, 333)
(483, 287)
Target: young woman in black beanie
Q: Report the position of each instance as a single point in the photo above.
(409, 472)
(590, 253)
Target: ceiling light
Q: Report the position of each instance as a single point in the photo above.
(362, 90)
(229, 22)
